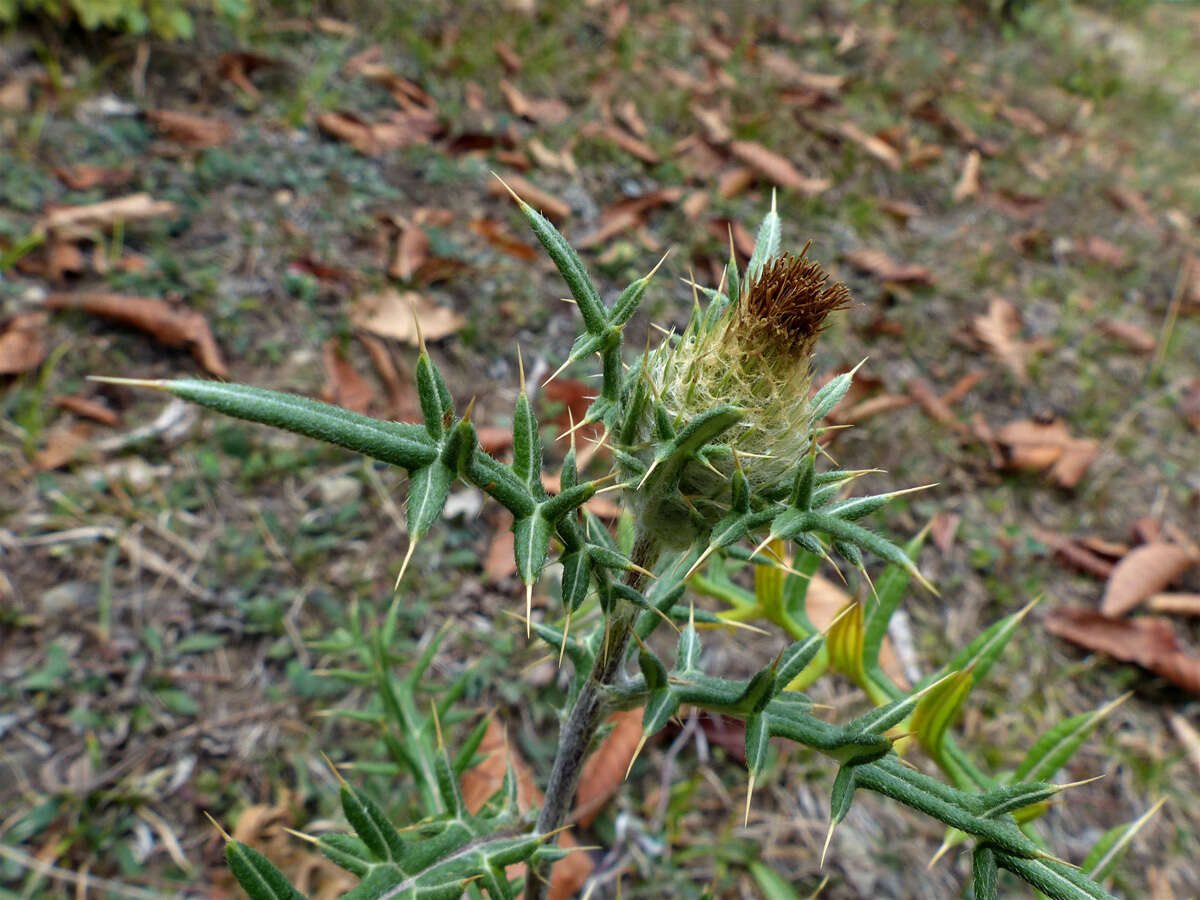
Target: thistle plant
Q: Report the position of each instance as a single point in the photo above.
(715, 442)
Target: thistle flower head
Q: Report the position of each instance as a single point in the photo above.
(754, 351)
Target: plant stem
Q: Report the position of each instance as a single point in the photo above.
(575, 738)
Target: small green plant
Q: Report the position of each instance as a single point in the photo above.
(714, 441)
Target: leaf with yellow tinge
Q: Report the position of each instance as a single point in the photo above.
(937, 710)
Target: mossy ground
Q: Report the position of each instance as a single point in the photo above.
(155, 654)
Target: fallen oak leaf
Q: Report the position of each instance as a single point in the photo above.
(628, 213)
(412, 251)
(496, 234)
(878, 263)
(1074, 554)
(1033, 446)
(194, 132)
(777, 169)
(543, 201)
(22, 343)
(1149, 641)
(1144, 571)
(997, 331)
(620, 138)
(344, 386)
(390, 313)
(87, 407)
(70, 222)
(169, 325)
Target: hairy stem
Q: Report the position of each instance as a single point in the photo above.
(591, 706)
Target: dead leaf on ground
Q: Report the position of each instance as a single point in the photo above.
(1033, 446)
(1023, 118)
(550, 111)
(1149, 641)
(1101, 250)
(1016, 205)
(998, 331)
(1132, 336)
(497, 234)
(1146, 570)
(1189, 403)
(943, 529)
(1074, 553)
(508, 56)
(481, 782)
(390, 313)
(14, 93)
(901, 209)
(545, 158)
(412, 251)
(934, 406)
(628, 213)
(392, 131)
(968, 181)
(237, 66)
(791, 73)
(194, 132)
(733, 182)
(604, 772)
(84, 177)
(56, 259)
(1189, 284)
(871, 407)
(879, 264)
(627, 114)
(344, 386)
(89, 408)
(22, 343)
(743, 240)
(335, 27)
(617, 136)
(403, 404)
(1175, 602)
(776, 169)
(170, 325)
(873, 144)
(62, 446)
(70, 222)
(543, 201)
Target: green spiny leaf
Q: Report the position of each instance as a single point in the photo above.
(428, 488)
(842, 795)
(371, 825)
(985, 873)
(527, 446)
(937, 710)
(1052, 750)
(766, 244)
(256, 874)
(347, 851)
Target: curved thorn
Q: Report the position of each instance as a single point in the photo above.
(529, 609)
(749, 794)
(521, 368)
(412, 545)
(157, 384)
(217, 825)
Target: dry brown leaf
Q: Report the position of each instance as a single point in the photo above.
(901, 209)
(997, 331)
(546, 158)
(1074, 554)
(84, 177)
(500, 562)
(390, 313)
(194, 132)
(69, 222)
(694, 205)
(63, 445)
(344, 386)
(626, 214)
(873, 406)
(87, 407)
(335, 27)
(878, 263)
(1146, 570)
(543, 201)
(1148, 641)
(635, 147)
(743, 240)
(776, 169)
(1190, 738)
(508, 56)
(712, 123)
(1034, 446)
(1025, 119)
(403, 404)
(943, 528)
(1175, 602)
(1189, 403)
(604, 772)
(935, 407)
(481, 782)
(237, 66)
(412, 251)
(550, 111)
(14, 94)
(735, 181)
(627, 114)
(22, 343)
(962, 387)
(169, 325)
(792, 73)
(1101, 250)
(968, 181)
(58, 258)
(498, 235)
(874, 145)
(394, 129)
